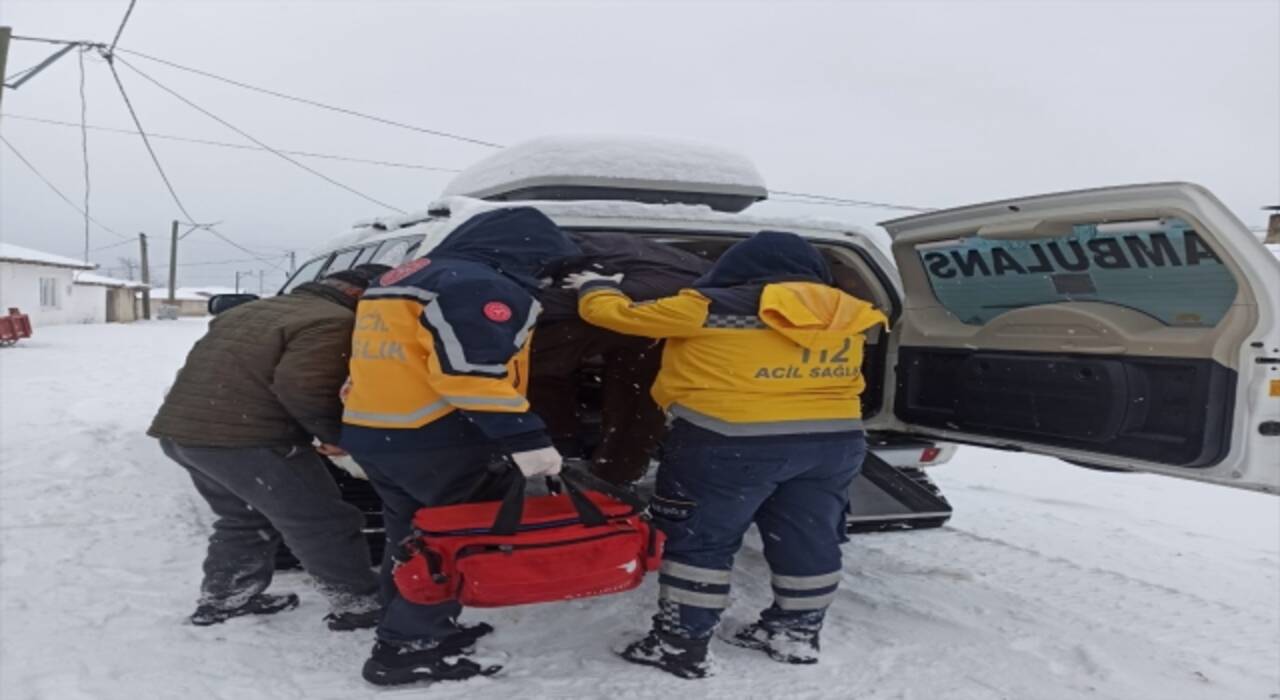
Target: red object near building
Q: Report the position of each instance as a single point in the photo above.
(14, 327)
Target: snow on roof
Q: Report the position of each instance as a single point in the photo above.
(16, 253)
(619, 212)
(160, 294)
(90, 278)
(641, 163)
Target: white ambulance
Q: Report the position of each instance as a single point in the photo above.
(1132, 328)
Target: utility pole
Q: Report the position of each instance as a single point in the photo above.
(261, 275)
(129, 264)
(293, 261)
(5, 32)
(146, 279)
(173, 263)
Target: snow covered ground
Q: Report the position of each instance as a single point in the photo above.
(1050, 582)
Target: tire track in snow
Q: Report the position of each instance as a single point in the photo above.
(1186, 624)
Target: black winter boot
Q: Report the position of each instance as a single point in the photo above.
(349, 621)
(261, 604)
(788, 646)
(685, 658)
(465, 638)
(400, 664)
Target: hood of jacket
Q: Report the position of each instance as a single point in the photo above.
(651, 270)
(327, 292)
(812, 315)
(519, 242)
(768, 256)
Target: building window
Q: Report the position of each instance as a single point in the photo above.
(48, 292)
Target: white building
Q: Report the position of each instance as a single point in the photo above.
(191, 301)
(42, 286)
(106, 299)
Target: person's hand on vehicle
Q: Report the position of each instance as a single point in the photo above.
(577, 280)
(544, 461)
(328, 450)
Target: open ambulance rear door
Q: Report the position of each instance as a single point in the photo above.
(1132, 327)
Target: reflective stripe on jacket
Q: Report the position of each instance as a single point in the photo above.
(442, 337)
(789, 362)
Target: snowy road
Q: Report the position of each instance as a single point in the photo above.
(1050, 582)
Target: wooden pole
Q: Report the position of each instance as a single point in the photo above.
(173, 263)
(146, 278)
(5, 33)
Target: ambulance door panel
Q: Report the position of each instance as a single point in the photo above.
(1128, 327)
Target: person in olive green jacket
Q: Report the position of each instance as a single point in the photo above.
(241, 418)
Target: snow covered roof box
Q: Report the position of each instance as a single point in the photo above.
(654, 171)
(16, 253)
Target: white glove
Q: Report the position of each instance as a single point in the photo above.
(350, 466)
(578, 279)
(544, 461)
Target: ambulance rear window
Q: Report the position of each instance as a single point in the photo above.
(1162, 268)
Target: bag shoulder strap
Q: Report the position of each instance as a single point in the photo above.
(585, 480)
(507, 520)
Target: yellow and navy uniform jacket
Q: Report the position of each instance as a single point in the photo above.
(440, 351)
(756, 359)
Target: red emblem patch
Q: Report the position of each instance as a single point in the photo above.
(395, 275)
(497, 312)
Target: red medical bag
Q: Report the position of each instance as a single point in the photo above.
(581, 544)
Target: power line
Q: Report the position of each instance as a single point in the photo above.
(57, 191)
(802, 197)
(809, 198)
(133, 114)
(243, 249)
(229, 262)
(84, 151)
(46, 40)
(20, 73)
(123, 22)
(260, 257)
(239, 146)
(156, 160)
(16, 81)
(248, 136)
(313, 103)
(129, 241)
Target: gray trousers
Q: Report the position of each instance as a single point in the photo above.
(262, 495)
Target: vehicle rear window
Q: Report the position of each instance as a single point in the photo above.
(1162, 268)
(306, 273)
(394, 252)
(343, 260)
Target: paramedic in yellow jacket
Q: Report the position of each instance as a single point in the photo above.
(762, 376)
(439, 367)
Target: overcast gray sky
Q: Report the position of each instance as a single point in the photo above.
(922, 103)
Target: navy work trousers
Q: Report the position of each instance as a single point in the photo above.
(712, 487)
(407, 481)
